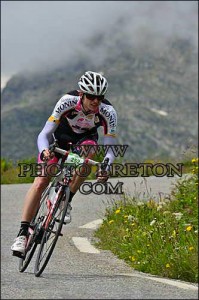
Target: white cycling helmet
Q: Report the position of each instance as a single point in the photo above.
(93, 83)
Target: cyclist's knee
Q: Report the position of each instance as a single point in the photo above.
(40, 183)
(89, 148)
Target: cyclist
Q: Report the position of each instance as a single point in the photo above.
(75, 119)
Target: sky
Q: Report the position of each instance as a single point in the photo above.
(36, 34)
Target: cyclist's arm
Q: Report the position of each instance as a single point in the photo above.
(110, 140)
(101, 175)
(110, 130)
(45, 138)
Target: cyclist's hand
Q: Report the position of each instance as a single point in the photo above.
(46, 155)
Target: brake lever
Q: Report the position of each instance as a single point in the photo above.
(104, 164)
(52, 147)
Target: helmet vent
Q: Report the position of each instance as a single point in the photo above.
(93, 83)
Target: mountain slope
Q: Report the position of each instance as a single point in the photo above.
(153, 90)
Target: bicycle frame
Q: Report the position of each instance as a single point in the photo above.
(51, 207)
(46, 228)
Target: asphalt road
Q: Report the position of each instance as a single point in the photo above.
(72, 274)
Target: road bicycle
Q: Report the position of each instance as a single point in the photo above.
(46, 226)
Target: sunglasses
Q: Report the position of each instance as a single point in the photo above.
(93, 97)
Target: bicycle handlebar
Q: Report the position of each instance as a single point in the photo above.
(65, 153)
(61, 151)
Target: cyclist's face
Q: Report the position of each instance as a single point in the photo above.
(92, 102)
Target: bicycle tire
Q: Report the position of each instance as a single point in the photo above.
(48, 242)
(24, 261)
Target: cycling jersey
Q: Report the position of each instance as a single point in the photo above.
(69, 118)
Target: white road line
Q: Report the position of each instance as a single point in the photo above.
(173, 282)
(92, 225)
(84, 245)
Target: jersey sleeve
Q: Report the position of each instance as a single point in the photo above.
(63, 105)
(45, 137)
(110, 140)
(109, 116)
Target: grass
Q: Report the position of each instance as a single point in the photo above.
(156, 237)
(10, 172)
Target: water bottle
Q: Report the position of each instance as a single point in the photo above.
(74, 158)
(52, 194)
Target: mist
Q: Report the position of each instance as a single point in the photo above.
(39, 34)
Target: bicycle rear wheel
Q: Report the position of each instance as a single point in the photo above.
(52, 233)
(35, 232)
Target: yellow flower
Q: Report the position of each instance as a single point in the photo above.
(117, 211)
(168, 266)
(139, 251)
(111, 221)
(189, 228)
(133, 258)
(191, 248)
(194, 160)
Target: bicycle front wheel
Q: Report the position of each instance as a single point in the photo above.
(24, 261)
(34, 232)
(52, 233)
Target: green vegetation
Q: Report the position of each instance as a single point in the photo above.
(156, 237)
(11, 170)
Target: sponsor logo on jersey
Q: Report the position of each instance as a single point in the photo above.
(65, 105)
(110, 115)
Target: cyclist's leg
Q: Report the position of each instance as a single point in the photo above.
(33, 195)
(31, 204)
(78, 179)
(63, 140)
